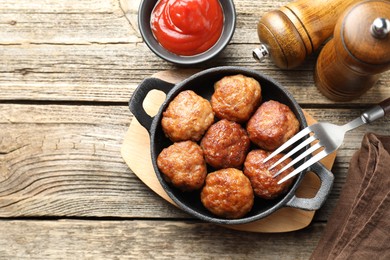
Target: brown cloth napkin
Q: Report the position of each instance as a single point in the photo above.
(359, 227)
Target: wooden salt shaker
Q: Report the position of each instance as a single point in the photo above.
(351, 63)
(293, 32)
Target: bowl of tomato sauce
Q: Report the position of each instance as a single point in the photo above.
(187, 32)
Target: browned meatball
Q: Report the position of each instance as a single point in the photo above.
(183, 165)
(225, 145)
(263, 183)
(227, 193)
(187, 117)
(236, 98)
(272, 125)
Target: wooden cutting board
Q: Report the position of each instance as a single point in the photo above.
(136, 153)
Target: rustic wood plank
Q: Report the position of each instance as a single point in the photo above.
(70, 22)
(64, 159)
(110, 73)
(116, 20)
(60, 160)
(93, 51)
(142, 239)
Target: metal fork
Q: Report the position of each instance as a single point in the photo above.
(326, 138)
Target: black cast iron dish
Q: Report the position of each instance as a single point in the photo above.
(203, 84)
(229, 25)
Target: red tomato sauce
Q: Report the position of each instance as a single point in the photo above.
(187, 27)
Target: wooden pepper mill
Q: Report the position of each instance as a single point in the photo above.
(352, 61)
(293, 32)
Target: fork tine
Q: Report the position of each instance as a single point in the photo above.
(306, 165)
(293, 151)
(292, 140)
(300, 157)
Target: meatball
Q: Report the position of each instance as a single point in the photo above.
(183, 165)
(272, 125)
(225, 145)
(236, 98)
(227, 193)
(187, 117)
(263, 183)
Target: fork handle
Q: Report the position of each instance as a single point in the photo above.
(376, 112)
(385, 105)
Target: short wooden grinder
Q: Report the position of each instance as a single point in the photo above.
(288, 35)
(351, 63)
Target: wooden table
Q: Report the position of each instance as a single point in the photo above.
(67, 71)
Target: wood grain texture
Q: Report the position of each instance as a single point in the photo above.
(65, 23)
(352, 62)
(143, 239)
(62, 160)
(296, 30)
(59, 55)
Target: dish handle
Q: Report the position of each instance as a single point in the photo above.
(139, 95)
(326, 178)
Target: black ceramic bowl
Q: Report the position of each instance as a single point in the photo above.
(202, 83)
(144, 13)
